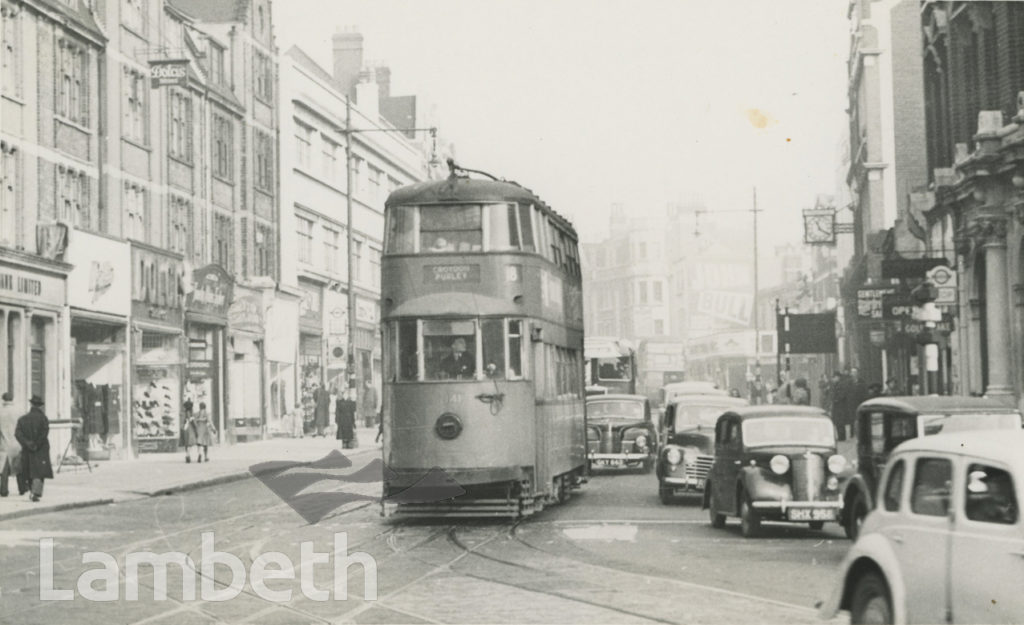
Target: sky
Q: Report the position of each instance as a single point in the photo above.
(638, 102)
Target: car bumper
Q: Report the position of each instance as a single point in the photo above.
(800, 510)
(622, 457)
(683, 483)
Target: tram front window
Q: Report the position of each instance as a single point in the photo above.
(450, 228)
(450, 349)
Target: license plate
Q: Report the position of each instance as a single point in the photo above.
(611, 462)
(811, 514)
(700, 484)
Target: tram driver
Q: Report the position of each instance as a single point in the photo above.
(459, 364)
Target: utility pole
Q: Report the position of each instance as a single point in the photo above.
(348, 131)
(757, 321)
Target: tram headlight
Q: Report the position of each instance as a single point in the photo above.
(448, 426)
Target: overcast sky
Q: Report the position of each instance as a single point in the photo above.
(643, 102)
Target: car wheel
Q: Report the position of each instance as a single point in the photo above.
(750, 522)
(855, 518)
(871, 602)
(816, 525)
(717, 520)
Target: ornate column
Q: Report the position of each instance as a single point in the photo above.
(990, 235)
(974, 382)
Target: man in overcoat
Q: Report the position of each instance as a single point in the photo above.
(32, 433)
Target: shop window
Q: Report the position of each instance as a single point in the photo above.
(37, 363)
(9, 342)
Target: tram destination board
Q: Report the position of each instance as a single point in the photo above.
(451, 273)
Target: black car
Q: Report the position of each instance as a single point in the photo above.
(620, 432)
(885, 422)
(685, 457)
(776, 463)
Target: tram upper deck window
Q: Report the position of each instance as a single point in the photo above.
(456, 228)
(510, 227)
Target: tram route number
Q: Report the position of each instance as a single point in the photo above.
(454, 399)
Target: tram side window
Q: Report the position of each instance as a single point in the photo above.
(402, 230)
(451, 228)
(509, 227)
(515, 348)
(408, 365)
(449, 349)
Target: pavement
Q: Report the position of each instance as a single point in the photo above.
(155, 474)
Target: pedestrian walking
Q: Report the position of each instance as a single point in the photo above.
(368, 404)
(9, 462)
(32, 433)
(758, 391)
(380, 429)
(200, 433)
(322, 399)
(346, 419)
(892, 388)
(840, 399)
(825, 392)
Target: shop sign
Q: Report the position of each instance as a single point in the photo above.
(34, 287)
(168, 72)
(869, 301)
(897, 306)
(916, 327)
(945, 281)
(246, 313)
(211, 291)
(909, 268)
(200, 369)
(309, 304)
(162, 315)
(366, 310)
(451, 273)
(727, 305)
(100, 279)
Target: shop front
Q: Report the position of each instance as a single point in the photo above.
(158, 352)
(313, 373)
(283, 419)
(99, 295)
(246, 361)
(367, 341)
(206, 318)
(34, 343)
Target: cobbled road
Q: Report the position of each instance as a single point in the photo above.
(612, 554)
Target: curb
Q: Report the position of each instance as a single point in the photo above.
(87, 503)
(170, 490)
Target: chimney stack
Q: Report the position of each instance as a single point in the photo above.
(348, 60)
(384, 81)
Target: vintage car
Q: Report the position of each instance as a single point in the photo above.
(775, 463)
(691, 387)
(620, 432)
(885, 422)
(946, 544)
(688, 443)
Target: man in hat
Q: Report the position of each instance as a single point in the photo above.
(10, 460)
(32, 434)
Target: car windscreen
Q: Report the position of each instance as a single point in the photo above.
(788, 431)
(965, 422)
(632, 410)
(692, 415)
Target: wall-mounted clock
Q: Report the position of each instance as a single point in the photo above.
(820, 226)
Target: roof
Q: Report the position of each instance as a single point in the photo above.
(78, 11)
(302, 58)
(936, 403)
(777, 410)
(1002, 445)
(617, 397)
(707, 399)
(214, 11)
(693, 386)
(460, 189)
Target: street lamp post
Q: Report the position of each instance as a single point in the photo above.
(347, 132)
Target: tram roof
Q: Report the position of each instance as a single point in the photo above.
(462, 189)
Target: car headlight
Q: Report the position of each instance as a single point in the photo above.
(779, 464)
(832, 483)
(641, 441)
(836, 463)
(674, 455)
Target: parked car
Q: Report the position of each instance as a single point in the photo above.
(885, 422)
(691, 387)
(688, 448)
(620, 432)
(775, 463)
(947, 543)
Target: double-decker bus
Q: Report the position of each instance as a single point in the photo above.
(482, 329)
(662, 361)
(611, 365)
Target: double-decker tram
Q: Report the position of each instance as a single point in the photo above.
(482, 326)
(611, 366)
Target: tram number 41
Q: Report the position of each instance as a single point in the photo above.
(454, 398)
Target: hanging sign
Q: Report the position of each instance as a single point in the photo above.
(168, 72)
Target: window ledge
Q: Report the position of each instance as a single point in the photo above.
(17, 99)
(68, 122)
(224, 180)
(179, 159)
(136, 143)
